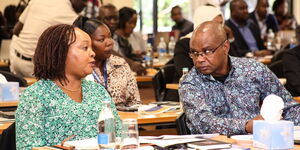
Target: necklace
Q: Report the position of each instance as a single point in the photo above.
(70, 90)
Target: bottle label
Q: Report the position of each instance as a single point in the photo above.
(102, 138)
(162, 50)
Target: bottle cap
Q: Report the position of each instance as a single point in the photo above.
(185, 69)
(102, 138)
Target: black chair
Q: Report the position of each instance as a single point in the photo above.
(277, 68)
(8, 138)
(181, 126)
(12, 77)
(162, 77)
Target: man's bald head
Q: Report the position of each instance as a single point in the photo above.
(211, 28)
(209, 49)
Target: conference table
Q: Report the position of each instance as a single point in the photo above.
(143, 119)
(221, 138)
(4, 64)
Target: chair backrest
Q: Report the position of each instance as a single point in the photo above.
(277, 68)
(168, 73)
(12, 77)
(5, 48)
(162, 77)
(181, 126)
(159, 85)
(8, 138)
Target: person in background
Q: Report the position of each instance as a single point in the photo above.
(61, 103)
(222, 94)
(109, 15)
(181, 53)
(11, 18)
(291, 67)
(286, 21)
(264, 20)
(111, 71)
(127, 23)
(246, 33)
(3, 28)
(181, 24)
(33, 21)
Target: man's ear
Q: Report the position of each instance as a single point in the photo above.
(226, 46)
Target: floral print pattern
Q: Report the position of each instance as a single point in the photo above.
(121, 82)
(46, 115)
(215, 107)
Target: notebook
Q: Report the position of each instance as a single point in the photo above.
(208, 144)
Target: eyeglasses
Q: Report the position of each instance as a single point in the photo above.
(204, 53)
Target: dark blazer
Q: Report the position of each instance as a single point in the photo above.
(271, 22)
(185, 27)
(291, 70)
(240, 43)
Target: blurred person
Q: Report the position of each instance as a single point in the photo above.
(33, 21)
(181, 24)
(264, 20)
(127, 23)
(246, 33)
(291, 67)
(3, 28)
(61, 103)
(10, 12)
(222, 94)
(286, 21)
(109, 15)
(111, 71)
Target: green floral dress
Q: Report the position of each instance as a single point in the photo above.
(46, 115)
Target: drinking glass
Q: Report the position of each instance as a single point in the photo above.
(130, 135)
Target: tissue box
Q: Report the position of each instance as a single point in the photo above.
(273, 135)
(9, 91)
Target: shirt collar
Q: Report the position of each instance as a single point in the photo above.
(257, 17)
(238, 26)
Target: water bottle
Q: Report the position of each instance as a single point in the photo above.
(106, 128)
(171, 45)
(148, 57)
(162, 48)
(270, 39)
(293, 42)
(185, 71)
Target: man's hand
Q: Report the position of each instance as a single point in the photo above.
(137, 67)
(249, 124)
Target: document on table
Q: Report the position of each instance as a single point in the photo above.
(167, 140)
(90, 144)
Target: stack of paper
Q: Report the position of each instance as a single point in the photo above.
(168, 140)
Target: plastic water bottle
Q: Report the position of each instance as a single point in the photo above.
(106, 128)
(148, 57)
(185, 71)
(270, 39)
(162, 48)
(293, 42)
(171, 45)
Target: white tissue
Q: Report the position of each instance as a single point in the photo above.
(271, 108)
